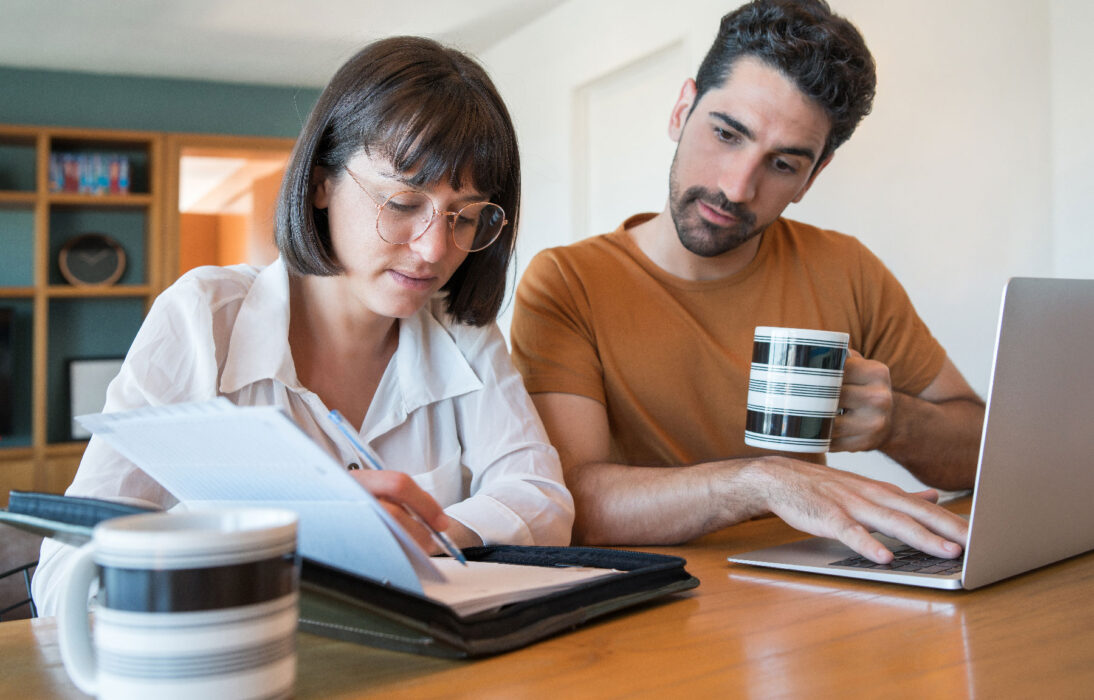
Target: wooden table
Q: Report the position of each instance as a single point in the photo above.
(743, 632)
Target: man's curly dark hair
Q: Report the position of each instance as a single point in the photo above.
(821, 52)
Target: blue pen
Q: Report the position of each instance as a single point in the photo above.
(440, 538)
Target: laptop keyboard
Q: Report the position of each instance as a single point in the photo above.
(908, 560)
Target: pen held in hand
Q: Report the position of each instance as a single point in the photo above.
(442, 540)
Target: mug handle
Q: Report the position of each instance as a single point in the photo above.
(73, 629)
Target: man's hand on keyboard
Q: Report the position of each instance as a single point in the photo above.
(833, 503)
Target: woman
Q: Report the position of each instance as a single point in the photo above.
(395, 224)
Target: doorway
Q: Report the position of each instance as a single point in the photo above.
(222, 195)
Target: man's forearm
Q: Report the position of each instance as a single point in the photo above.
(619, 504)
(937, 442)
(647, 505)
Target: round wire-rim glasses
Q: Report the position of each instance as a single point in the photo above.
(405, 216)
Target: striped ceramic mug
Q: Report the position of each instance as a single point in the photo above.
(199, 604)
(794, 387)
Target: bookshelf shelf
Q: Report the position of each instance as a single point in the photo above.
(118, 290)
(66, 449)
(74, 199)
(9, 198)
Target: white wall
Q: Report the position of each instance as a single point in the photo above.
(1072, 110)
(974, 166)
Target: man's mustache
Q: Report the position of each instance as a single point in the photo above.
(719, 201)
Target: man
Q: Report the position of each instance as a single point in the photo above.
(636, 345)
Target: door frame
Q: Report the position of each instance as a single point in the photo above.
(216, 145)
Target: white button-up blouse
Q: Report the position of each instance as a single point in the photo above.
(450, 409)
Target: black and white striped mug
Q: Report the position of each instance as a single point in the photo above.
(794, 387)
(197, 604)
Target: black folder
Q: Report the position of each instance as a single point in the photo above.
(338, 604)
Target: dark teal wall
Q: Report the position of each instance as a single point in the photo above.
(55, 98)
(97, 327)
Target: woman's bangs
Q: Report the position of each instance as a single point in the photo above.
(444, 140)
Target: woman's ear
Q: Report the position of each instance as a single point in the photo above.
(320, 189)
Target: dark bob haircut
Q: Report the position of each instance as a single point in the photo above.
(436, 116)
(823, 53)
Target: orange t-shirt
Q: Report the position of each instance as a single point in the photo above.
(669, 358)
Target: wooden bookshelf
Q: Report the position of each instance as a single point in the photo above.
(56, 322)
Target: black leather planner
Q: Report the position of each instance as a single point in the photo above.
(335, 603)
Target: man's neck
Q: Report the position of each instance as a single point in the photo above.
(657, 238)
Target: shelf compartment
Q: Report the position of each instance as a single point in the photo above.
(127, 226)
(16, 368)
(138, 153)
(18, 161)
(83, 329)
(17, 244)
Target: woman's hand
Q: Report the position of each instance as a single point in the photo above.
(396, 491)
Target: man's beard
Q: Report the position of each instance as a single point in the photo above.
(701, 236)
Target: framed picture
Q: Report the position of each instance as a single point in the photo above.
(87, 382)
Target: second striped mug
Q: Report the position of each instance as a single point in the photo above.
(794, 387)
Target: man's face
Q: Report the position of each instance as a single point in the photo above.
(747, 150)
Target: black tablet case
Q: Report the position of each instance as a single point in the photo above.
(335, 603)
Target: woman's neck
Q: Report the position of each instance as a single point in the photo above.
(340, 347)
(323, 309)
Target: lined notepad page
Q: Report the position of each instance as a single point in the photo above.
(215, 452)
(483, 585)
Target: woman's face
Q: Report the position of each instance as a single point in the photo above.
(391, 280)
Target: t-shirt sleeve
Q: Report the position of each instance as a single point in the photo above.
(894, 333)
(552, 335)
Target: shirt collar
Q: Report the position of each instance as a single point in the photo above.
(428, 367)
(259, 344)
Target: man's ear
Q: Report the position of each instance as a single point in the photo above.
(809, 183)
(682, 109)
(320, 189)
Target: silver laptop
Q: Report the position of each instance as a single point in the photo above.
(1033, 503)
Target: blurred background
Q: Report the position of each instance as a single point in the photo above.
(975, 166)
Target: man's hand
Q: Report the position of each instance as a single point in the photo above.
(848, 507)
(935, 435)
(866, 402)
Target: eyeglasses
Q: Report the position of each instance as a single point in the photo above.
(404, 217)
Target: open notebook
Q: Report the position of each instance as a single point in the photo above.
(217, 453)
